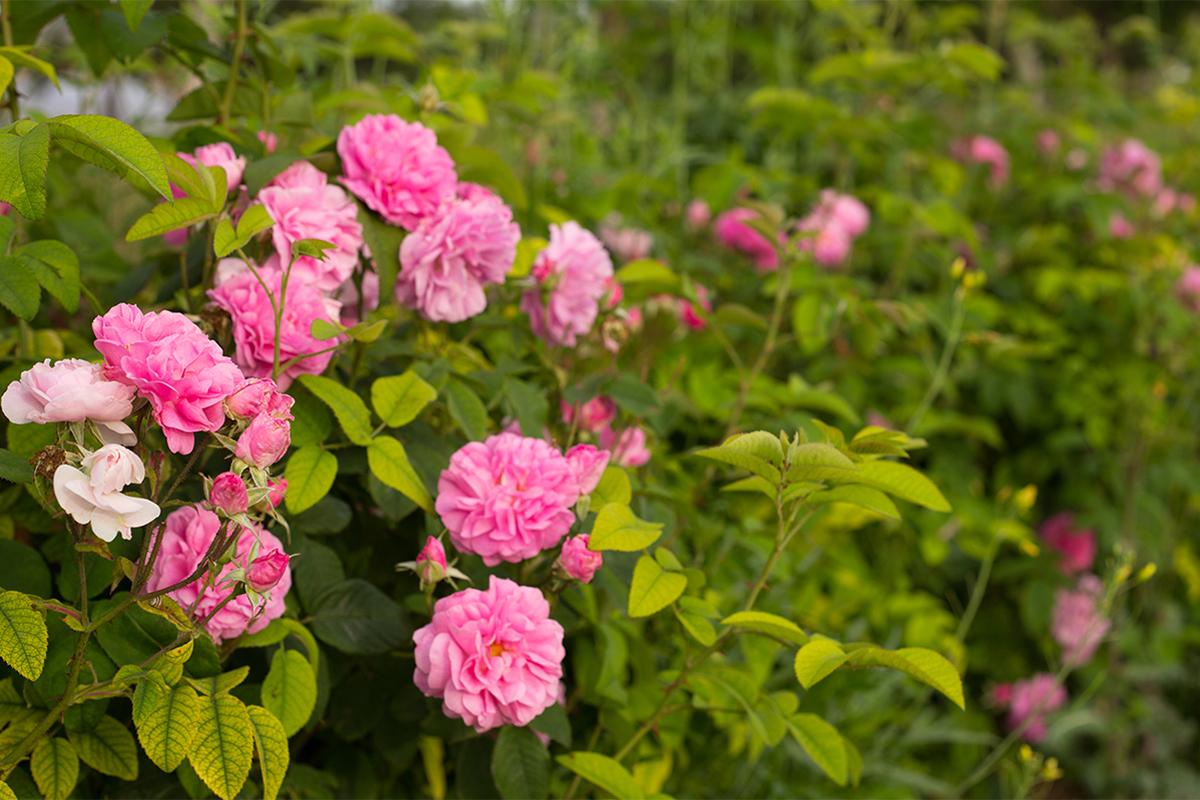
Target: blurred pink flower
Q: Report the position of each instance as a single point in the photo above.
(577, 562)
(1188, 288)
(1166, 202)
(1030, 694)
(732, 231)
(1078, 547)
(1076, 623)
(1076, 159)
(594, 415)
(588, 464)
(1119, 227)
(1132, 168)
(629, 450)
(627, 244)
(572, 270)
(270, 141)
(687, 312)
(1048, 141)
(697, 214)
(984, 150)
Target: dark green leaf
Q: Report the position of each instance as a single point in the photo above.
(520, 764)
(355, 617)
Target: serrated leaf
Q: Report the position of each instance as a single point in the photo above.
(113, 145)
(135, 11)
(57, 269)
(926, 666)
(467, 410)
(399, 398)
(23, 163)
(861, 496)
(751, 484)
(221, 683)
(168, 727)
(347, 406)
(746, 461)
(55, 768)
(225, 239)
(107, 748)
(15, 469)
(6, 792)
(554, 723)
(23, 636)
(768, 623)
(13, 708)
(271, 743)
(617, 528)
(290, 690)
(817, 659)
(221, 749)
(19, 291)
(389, 462)
(818, 461)
(189, 178)
(823, 744)
(520, 764)
(254, 221)
(605, 772)
(171, 216)
(901, 480)
(653, 588)
(310, 474)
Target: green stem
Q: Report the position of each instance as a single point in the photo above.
(14, 103)
(239, 45)
(985, 572)
(943, 368)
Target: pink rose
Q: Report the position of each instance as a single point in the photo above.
(629, 450)
(396, 167)
(1187, 202)
(846, 211)
(697, 214)
(276, 491)
(1048, 141)
(628, 244)
(1001, 695)
(1040, 693)
(732, 231)
(171, 363)
(493, 656)
(1119, 227)
(270, 141)
(431, 562)
(1131, 168)
(507, 498)
(453, 254)
(1076, 159)
(1078, 547)
(112, 468)
(588, 464)
(255, 396)
(687, 311)
(984, 150)
(220, 155)
(186, 538)
(264, 441)
(254, 324)
(1166, 202)
(829, 246)
(577, 562)
(109, 513)
(594, 415)
(1076, 624)
(304, 205)
(1188, 289)
(71, 390)
(228, 494)
(572, 270)
(266, 571)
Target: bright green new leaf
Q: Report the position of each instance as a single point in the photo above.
(167, 729)
(56, 268)
(759, 452)
(187, 177)
(605, 772)
(527, 250)
(697, 626)
(901, 481)
(817, 659)
(614, 487)
(271, 743)
(222, 747)
(520, 764)
(55, 768)
(399, 398)
(225, 239)
(20, 58)
(858, 495)
(113, 145)
(924, 665)
(255, 220)
(310, 474)
(389, 462)
(768, 623)
(107, 748)
(6, 792)
(823, 744)
(818, 461)
(751, 484)
(646, 270)
(653, 588)
(295, 628)
(23, 636)
(172, 216)
(347, 406)
(290, 690)
(6, 74)
(274, 633)
(617, 528)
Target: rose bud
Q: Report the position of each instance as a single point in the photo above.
(577, 562)
(251, 397)
(228, 494)
(278, 490)
(264, 441)
(431, 562)
(267, 570)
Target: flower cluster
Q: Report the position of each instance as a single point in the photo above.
(733, 231)
(1077, 622)
(1076, 546)
(833, 226)
(572, 273)
(91, 494)
(1030, 701)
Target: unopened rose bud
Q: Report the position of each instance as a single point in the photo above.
(264, 441)
(431, 562)
(228, 494)
(255, 396)
(267, 570)
(578, 562)
(278, 490)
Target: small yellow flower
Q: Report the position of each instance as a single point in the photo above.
(1026, 753)
(1029, 548)
(1025, 498)
(1147, 572)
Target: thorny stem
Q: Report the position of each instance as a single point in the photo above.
(239, 45)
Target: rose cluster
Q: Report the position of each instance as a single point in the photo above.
(833, 226)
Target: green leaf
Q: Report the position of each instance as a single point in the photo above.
(310, 474)
(168, 727)
(23, 162)
(768, 623)
(481, 165)
(697, 626)
(738, 314)
(108, 748)
(818, 461)
(817, 659)
(924, 665)
(384, 241)
(171, 216)
(312, 248)
(467, 410)
(529, 404)
(646, 270)
(221, 683)
(861, 496)
(347, 406)
(55, 768)
(653, 589)
(134, 11)
(901, 481)
(222, 748)
(113, 145)
(614, 487)
(527, 250)
(746, 461)
(290, 690)
(271, 743)
(225, 239)
(274, 633)
(254, 221)
(854, 761)
(188, 177)
(752, 484)
(605, 772)
(554, 723)
(616, 528)
(355, 617)
(57, 269)
(399, 398)
(19, 290)
(633, 396)
(296, 629)
(823, 744)
(261, 171)
(19, 58)
(23, 635)
(13, 708)
(520, 764)
(6, 74)
(13, 468)
(389, 462)
(312, 421)
(6, 792)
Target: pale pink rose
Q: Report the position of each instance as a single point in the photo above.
(220, 155)
(577, 562)
(71, 390)
(1166, 202)
(1038, 692)
(396, 167)
(186, 538)
(687, 311)
(831, 243)
(1048, 141)
(270, 141)
(170, 361)
(254, 325)
(453, 254)
(572, 271)
(1076, 623)
(627, 244)
(1076, 159)
(228, 494)
(304, 205)
(493, 656)
(588, 464)
(265, 440)
(1119, 227)
(112, 468)
(108, 513)
(1132, 168)
(431, 562)
(732, 231)
(697, 214)
(987, 151)
(1188, 289)
(507, 498)
(629, 450)
(1078, 547)
(255, 396)
(266, 571)
(594, 415)
(844, 210)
